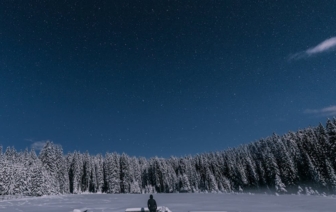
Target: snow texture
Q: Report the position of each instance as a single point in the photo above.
(175, 202)
(143, 209)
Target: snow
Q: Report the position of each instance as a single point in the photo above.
(176, 202)
(136, 210)
(159, 209)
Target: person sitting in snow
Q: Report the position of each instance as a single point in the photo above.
(152, 206)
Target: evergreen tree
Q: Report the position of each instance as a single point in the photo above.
(37, 187)
(312, 173)
(136, 176)
(125, 174)
(279, 186)
(285, 163)
(7, 177)
(184, 183)
(305, 158)
(143, 164)
(331, 130)
(112, 173)
(331, 176)
(48, 159)
(86, 173)
(99, 172)
(271, 167)
(62, 177)
(172, 181)
(75, 173)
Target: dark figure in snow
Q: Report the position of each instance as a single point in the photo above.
(152, 206)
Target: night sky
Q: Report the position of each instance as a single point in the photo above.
(162, 78)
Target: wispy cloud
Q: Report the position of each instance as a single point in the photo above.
(38, 145)
(326, 45)
(328, 111)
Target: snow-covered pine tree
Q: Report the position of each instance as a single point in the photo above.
(241, 177)
(37, 187)
(21, 179)
(331, 130)
(86, 172)
(48, 158)
(210, 180)
(112, 173)
(228, 168)
(201, 169)
(11, 179)
(151, 176)
(172, 169)
(317, 158)
(192, 174)
(156, 174)
(6, 176)
(62, 176)
(98, 162)
(212, 184)
(75, 173)
(144, 173)
(331, 179)
(184, 184)
(288, 172)
(293, 151)
(68, 163)
(323, 141)
(250, 168)
(93, 176)
(2, 165)
(125, 175)
(34, 182)
(136, 176)
(271, 167)
(167, 176)
(311, 172)
(172, 179)
(10, 154)
(321, 148)
(279, 186)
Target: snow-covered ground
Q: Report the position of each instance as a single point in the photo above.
(175, 202)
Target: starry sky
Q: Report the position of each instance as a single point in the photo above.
(162, 78)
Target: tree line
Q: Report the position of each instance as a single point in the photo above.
(282, 164)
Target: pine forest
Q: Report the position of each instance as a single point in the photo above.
(303, 161)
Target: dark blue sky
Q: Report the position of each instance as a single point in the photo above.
(163, 77)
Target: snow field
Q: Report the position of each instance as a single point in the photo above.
(175, 202)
